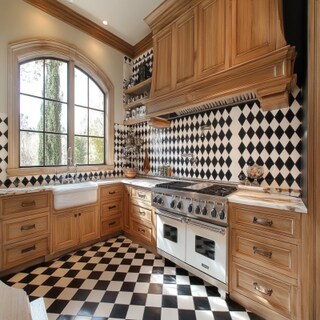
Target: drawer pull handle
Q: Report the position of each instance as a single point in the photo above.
(112, 223)
(112, 192)
(262, 252)
(142, 213)
(262, 222)
(267, 292)
(141, 195)
(112, 207)
(28, 249)
(28, 204)
(142, 230)
(28, 227)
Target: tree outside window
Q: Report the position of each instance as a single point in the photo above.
(44, 115)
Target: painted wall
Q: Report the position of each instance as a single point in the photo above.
(19, 20)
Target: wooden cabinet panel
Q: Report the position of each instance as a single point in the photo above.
(126, 206)
(141, 194)
(22, 252)
(65, 231)
(113, 191)
(22, 228)
(271, 221)
(253, 30)
(162, 65)
(214, 32)
(272, 293)
(88, 224)
(184, 49)
(111, 208)
(276, 255)
(142, 231)
(141, 213)
(111, 225)
(24, 203)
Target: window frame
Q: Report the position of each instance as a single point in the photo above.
(22, 51)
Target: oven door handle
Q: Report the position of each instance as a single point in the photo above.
(171, 216)
(213, 228)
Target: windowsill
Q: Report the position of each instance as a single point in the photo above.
(22, 172)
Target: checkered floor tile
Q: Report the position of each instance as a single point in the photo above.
(118, 279)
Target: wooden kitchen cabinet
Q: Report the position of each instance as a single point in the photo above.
(206, 50)
(75, 226)
(254, 29)
(162, 78)
(214, 30)
(111, 207)
(265, 260)
(25, 228)
(142, 218)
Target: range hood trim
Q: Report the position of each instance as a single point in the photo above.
(270, 78)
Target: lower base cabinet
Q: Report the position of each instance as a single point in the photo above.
(75, 226)
(265, 261)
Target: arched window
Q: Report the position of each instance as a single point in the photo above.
(60, 109)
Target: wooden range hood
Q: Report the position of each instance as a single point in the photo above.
(208, 51)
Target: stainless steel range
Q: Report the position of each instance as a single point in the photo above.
(192, 227)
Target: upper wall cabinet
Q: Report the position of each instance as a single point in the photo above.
(212, 39)
(174, 54)
(255, 26)
(206, 50)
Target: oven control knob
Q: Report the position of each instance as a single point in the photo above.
(222, 214)
(204, 211)
(197, 210)
(172, 204)
(190, 208)
(155, 199)
(160, 200)
(179, 205)
(213, 212)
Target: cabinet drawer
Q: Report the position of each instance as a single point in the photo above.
(141, 231)
(274, 294)
(141, 213)
(141, 194)
(271, 254)
(18, 229)
(111, 208)
(113, 191)
(24, 203)
(15, 255)
(110, 226)
(274, 221)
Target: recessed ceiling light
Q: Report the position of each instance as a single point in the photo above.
(105, 22)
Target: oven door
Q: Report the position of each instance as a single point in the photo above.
(207, 248)
(171, 234)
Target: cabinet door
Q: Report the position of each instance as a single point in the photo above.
(253, 29)
(162, 66)
(88, 224)
(184, 49)
(213, 43)
(64, 235)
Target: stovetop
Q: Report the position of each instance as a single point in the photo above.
(208, 188)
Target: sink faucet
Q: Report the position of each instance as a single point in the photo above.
(67, 178)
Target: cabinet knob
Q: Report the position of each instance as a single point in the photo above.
(262, 222)
(267, 292)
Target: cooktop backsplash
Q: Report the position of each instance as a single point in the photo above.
(224, 140)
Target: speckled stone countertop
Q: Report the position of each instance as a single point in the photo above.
(269, 199)
(245, 195)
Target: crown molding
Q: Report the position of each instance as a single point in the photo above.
(143, 45)
(67, 15)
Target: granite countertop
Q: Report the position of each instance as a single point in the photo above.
(245, 195)
(269, 199)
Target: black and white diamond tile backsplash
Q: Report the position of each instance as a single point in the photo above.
(230, 138)
(225, 139)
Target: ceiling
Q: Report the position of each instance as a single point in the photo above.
(125, 17)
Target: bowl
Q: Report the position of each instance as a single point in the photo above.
(130, 172)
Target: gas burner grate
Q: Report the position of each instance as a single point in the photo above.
(218, 190)
(177, 185)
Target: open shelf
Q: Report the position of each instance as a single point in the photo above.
(139, 88)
